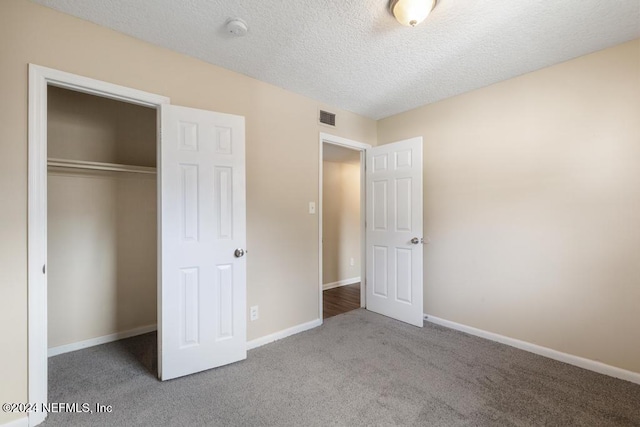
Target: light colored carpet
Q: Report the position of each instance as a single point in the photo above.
(359, 368)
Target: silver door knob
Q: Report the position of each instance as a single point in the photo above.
(239, 253)
(415, 240)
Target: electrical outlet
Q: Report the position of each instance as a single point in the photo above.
(352, 262)
(253, 313)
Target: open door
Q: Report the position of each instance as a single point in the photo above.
(202, 292)
(394, 230)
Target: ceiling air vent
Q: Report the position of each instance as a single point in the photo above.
(327, 118)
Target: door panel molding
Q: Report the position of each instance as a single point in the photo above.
(394, 251)
(202, 325)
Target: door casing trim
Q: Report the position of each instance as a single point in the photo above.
(361, 147)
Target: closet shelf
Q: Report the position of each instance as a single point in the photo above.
(113, 167)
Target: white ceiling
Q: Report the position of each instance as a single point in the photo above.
(353, 55)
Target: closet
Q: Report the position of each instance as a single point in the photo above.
(101, 219)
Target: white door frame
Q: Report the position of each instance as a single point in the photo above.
(361, 147)
(39, 78)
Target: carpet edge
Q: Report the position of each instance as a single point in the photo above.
(581, 362)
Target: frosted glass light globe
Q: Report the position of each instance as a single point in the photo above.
(411, 12)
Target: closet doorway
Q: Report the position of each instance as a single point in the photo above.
(139, 206)
(102, 220)
(342, 287)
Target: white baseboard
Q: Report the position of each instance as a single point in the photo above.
(343, 282)
(258, 342)
(20, 422)
(581, 362)
(54, 351)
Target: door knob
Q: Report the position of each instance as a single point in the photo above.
(415, 240)
(239, 253)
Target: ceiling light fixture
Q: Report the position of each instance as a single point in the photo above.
(411, 12)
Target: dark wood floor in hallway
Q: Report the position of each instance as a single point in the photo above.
(340, 300)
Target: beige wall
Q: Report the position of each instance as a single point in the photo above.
(92, 128)
(102, 248)
(340, 221)
(532, 204)
(282, 163)
(101, 254)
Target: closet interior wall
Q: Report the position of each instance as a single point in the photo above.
(102, 226)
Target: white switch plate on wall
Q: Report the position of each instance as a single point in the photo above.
(312, 208)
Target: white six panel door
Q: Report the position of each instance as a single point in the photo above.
(202, 295)
(394, 218)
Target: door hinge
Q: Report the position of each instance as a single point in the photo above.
(44, 269)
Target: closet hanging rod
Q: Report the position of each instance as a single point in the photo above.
(112, 167)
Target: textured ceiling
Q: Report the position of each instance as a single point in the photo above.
(352, 54)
